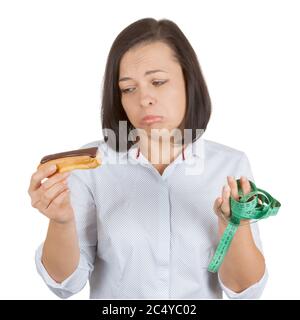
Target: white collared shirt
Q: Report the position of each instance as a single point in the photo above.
(144, 235)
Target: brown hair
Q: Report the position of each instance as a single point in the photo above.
(198, 109)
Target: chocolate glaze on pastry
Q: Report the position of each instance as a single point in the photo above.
(91, 152)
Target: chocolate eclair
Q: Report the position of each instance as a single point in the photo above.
(88, 158)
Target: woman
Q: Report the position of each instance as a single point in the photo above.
(142, 225)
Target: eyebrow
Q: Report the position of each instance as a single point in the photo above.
(146, 73)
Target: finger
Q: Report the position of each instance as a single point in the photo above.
(54, 179)
(36, 195)
(59, 202)
(217, 206)
(62, 198)
(48, 196)
(225, 207)
(245, 185)
(36, 203)
(39, 175)
(233, 186)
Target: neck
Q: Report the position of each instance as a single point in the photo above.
(159, 152)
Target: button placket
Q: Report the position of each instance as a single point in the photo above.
(164, 238)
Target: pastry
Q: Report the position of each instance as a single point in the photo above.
(76, 159)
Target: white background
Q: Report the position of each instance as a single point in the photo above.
(52, 59)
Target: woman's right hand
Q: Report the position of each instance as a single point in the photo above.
(51, 197)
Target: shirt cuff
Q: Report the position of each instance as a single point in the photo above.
(253, 292)
(71, 285)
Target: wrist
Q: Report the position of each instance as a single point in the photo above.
(64, 223)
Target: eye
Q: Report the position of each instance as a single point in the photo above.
(158, 83)
(127, 90)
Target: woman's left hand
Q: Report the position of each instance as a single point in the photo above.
(222, 204)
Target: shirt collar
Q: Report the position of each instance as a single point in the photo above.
(194, 149)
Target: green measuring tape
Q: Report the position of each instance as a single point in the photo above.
(243, 209)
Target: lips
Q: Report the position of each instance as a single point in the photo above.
(152, 119)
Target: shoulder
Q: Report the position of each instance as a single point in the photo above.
(95, 143)
(227, 159)
(215, 149)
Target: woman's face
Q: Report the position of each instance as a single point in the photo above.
(152, 84)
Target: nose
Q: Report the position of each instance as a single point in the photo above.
(147, 100)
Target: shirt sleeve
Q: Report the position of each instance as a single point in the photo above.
(255, 291)
(86, 225)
